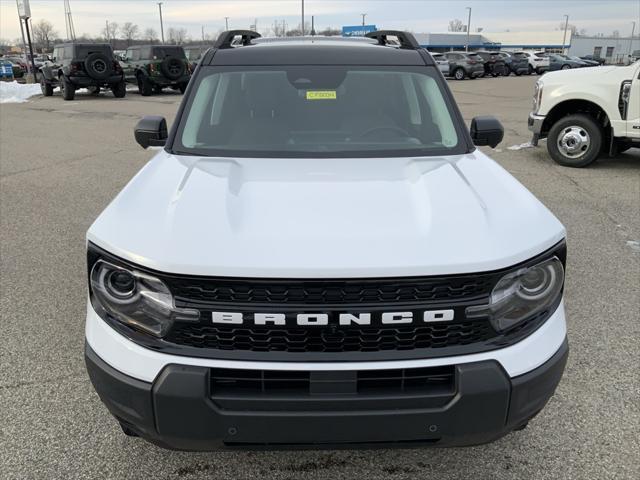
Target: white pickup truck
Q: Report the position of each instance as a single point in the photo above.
(588, 112)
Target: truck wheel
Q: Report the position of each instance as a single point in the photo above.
(46, 87)
(531, 70)
(144, 86)
(459, 74)
(68, 90)
(575, 140)
(119, 89)
(566, 67)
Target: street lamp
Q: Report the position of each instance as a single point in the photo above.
(302, 24)
(564, 37)
(363, 16)
(468, 27)
(161, 25)
(226, 23)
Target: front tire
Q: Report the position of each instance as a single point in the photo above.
(46, 87)
(119, 89)
(68, 90)
(459, 74)
(575, 141)
(531, 70)
(566, 67)
(144, 86)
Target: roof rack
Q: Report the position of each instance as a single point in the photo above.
(226, 38)
(406, 39)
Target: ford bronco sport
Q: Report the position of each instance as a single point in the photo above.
(319, 255)
(82, 65)
(154, 67)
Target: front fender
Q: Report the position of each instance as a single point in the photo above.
(47, 72)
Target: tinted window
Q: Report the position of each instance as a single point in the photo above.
(68, 52)
(519, 55)
(145, 53)
(83, 51)
(319, 111)
(162, 52)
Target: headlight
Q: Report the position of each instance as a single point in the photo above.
(521, 295)
(537, 96)
(136, 299)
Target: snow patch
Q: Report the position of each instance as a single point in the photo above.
(14, 92)
(521, 146)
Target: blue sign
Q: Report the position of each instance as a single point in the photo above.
(357, 30)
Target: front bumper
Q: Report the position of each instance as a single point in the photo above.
(184, 409)
(535, 123)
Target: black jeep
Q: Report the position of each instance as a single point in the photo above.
(154, 67)
(82, 65)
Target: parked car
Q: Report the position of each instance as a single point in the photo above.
(517, 64)
(442, 62)
(194, 53)
(599, 60)
(215, 320)
(18, 71)
(563, 62)
(588, 63)
(82, 65)
(537, 62)
(494, 63)
(635, 56)
(464, 65)
(582, 114)
(154, 67)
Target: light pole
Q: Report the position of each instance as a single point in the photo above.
(363, 17)
(161, 25)
(564, 37)
(633, 30)
(468, 27)
(302, 24)
(226, 23)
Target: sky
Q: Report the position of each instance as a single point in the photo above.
(420, 16)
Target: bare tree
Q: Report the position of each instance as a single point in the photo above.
(616, 34)
(44, 34)
(110, 31)
(177, 35)
(129, 32)
(570, 28)
(456, 25)
(150, 35)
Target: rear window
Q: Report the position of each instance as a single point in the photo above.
(318, 111)
(86, 50)
(160, 53)
(519, 55)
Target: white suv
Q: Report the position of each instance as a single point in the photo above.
(319, 255)
(537, 63)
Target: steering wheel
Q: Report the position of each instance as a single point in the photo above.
(388, 128)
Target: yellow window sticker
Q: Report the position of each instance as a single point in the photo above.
(321, 95)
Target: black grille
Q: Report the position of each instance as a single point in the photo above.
(226, 382)
(362, 339)
(197, 291)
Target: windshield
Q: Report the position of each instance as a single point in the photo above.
(318, 111)
(163, 52)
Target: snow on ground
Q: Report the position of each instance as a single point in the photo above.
(521, 146)
(14, 92)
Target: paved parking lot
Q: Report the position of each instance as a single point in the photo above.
(62, 162)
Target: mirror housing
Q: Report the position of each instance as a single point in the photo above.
(151, 131)
(486, 130)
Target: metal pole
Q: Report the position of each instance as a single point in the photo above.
(564, 37)
(106, 31)
(468, 27)
(33, 62)
(313, 25)
(226, 23)
(202, 33)
(633, 30)
(302, 24)
(24, 41)
(161, 24)
(363, 16)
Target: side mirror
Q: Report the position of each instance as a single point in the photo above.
(151, 131)
(486, 130)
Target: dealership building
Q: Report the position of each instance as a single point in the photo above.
(613, 49)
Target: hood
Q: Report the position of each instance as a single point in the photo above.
(579, 75)
(325, 218)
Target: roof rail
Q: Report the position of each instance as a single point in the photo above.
(226, 38)
(406, 39)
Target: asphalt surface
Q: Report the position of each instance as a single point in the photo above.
(62, 162)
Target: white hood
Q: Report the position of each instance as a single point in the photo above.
(331, 218)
